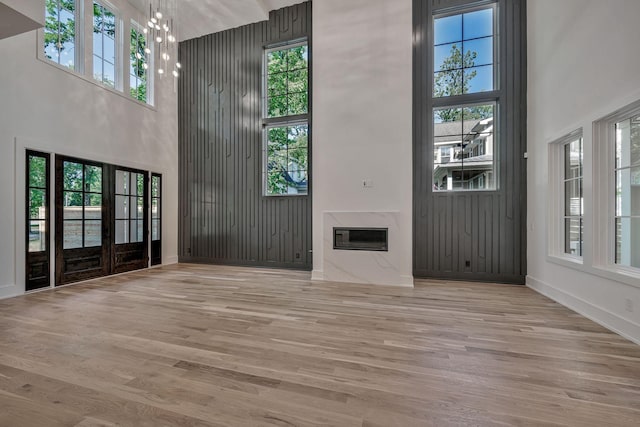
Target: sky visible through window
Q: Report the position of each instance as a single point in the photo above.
(59, 32)
(464, 53)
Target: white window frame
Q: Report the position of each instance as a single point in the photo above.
(604, 140)
(78, 55)
(117, 66)
(84, 49)
(135, 25)
(284, 121)
(557, 214)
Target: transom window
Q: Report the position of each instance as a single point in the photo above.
(88, 38)
(60, 32)
(104, 45)
(286, 120)
(139, 65)
(465, 100)
(627, 192)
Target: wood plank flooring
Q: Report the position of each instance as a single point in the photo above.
(189, 345)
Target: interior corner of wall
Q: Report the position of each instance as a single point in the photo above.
(317, 275)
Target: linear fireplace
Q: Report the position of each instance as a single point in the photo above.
(361, 239)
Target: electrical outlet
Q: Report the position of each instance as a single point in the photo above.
(628, 305)
(367, 183)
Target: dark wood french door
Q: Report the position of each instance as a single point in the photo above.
(101, 219)
(37, 221)
(130, 246)
(82, 240)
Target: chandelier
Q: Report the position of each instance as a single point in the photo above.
(161, 32)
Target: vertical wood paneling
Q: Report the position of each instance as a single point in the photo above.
(224, 218)
(486, 228)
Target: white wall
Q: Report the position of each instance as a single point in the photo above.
(45, 108)
(362, 128)
(583, 65)
(32, 9)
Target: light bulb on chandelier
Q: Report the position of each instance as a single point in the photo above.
(163, 33)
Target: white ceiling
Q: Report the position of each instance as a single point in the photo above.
(200, 17)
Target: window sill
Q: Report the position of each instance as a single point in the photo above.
(270, 196)
(627, 276)
(567, 261)
(95, 83)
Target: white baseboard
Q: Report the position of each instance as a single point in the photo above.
(171, 260)
(8, 291)
(317, 275)
(611, 321)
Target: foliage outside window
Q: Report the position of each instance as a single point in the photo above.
(139, 64)
(573, 197)
(129, 207)
(38, 206)
(627, 192)
(156, 207)
(287, 130)
(60, 32)
(464, 130)
(64, 43)
(82, 205)
(104, 45)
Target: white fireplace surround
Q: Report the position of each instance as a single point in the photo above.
(366, 267)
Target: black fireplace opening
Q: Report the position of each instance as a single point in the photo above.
(361, 239)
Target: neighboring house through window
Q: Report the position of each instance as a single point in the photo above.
(627, 191)
(566, 190)
(465, 100)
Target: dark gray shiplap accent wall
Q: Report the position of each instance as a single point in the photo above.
(486, 228)
(223, 216)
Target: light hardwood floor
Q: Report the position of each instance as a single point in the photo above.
(194, 345)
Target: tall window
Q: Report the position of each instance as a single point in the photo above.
(286, 120)
(627, 192)
(140, 57)
(38, 200)
(82, 205)
(573, 197)
(465, 100)
(60, 32)
(156, 207)
(104, 45)
(37, 220)
(129, 207)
